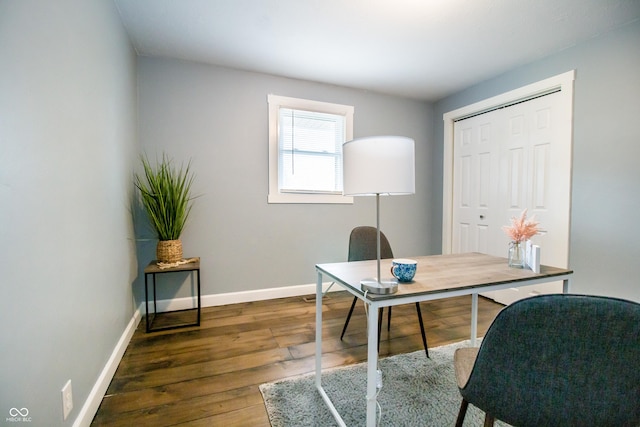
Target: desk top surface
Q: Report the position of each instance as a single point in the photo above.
(441, 273)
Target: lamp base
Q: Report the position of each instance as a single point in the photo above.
(382, 287)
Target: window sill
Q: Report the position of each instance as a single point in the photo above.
(309, 198)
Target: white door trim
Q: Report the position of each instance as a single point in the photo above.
(564, 82)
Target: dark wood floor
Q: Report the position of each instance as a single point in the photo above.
(209, 375)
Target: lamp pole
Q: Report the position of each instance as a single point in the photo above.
(378, 236)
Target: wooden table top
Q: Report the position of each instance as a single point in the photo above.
(440, 273)
(190, 266)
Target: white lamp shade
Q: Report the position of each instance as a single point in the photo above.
(379, 165)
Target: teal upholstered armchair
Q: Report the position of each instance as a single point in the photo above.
(556, 360)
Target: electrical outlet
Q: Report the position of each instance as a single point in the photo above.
(67, 400)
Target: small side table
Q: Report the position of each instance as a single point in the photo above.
(151, 270)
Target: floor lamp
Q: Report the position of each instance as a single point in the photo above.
(379, 166)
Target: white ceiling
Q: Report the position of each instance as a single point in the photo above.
(423, 49)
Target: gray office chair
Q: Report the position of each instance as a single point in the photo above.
(363, 246)
(556, 360)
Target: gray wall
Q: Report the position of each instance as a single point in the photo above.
(67, 146)
(218, 118)
(606, 148)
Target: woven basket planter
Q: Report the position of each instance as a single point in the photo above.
(169, 251)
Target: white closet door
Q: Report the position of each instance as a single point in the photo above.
(476, 179)
(505, 161)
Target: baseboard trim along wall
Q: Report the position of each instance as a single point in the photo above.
(238, 297)
(91, 405)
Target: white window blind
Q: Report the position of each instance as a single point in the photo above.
(310, 151)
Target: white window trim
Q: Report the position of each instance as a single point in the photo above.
(276, 102)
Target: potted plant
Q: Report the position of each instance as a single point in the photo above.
(166, 197)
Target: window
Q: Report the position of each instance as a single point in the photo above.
(305, 150)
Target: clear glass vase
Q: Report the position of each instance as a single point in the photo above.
(516, 254)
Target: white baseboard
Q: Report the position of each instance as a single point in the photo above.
(91, 405)
(237, 297)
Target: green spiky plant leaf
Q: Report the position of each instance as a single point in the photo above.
(166, 196)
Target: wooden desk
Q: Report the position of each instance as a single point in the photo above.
(438, 276)
(152, 270)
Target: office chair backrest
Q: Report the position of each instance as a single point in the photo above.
(561, 360)
(363, 244)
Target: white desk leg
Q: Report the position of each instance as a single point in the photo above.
(566, 286)
(323, 394)
(474, 319)
(372, 365)
(319, 331)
